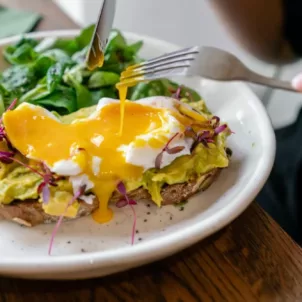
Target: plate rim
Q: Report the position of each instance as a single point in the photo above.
(155, 248)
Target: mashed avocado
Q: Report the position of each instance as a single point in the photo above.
(19, 183)
(182, 169)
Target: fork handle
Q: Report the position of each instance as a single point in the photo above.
(271, 82)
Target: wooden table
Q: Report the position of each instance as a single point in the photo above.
(250, 260)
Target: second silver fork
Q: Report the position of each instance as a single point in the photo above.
(207, 62)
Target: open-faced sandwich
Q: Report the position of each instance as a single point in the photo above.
(56, 166)
(79, 164)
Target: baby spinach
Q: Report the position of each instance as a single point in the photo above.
(19, 78)
(21, 55)
(84, 98)
(84, 37)
(103, 78)
(143, 90)
(58, 55)
(68, 46)
(41, 65)
(102, 93)
(62, 100)
(22, 52)
(52, 73)
(40, 91)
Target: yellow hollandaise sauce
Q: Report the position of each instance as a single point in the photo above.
(90, 145)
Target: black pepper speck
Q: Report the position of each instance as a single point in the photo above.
(145, 220)
(181, 208)
(148, 205)
(68, 242)
(136, 231)
(140, 239)
(148, 213)
(83, 250)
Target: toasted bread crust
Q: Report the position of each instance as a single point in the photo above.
(30, 212)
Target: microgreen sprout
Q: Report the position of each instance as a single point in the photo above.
(126, 201)
(166, 148)
(205, 136)
(78, 194)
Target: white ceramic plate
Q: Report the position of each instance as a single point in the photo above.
(84, 249)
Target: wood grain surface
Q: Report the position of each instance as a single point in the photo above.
(250, 260)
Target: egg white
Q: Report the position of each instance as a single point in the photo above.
(146, 156)
(80, 181)
(66, 167)
(97, 139)
(96, 165)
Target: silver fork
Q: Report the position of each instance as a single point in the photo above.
(207, 62)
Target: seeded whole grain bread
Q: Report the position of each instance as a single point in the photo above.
(30, 213)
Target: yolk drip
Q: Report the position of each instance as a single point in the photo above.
(122, 88)
(37, 135)
(96, 56)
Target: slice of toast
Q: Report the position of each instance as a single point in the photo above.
(31, 213)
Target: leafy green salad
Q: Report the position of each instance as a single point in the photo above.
(52, 73)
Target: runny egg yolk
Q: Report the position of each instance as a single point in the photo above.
(38, 135)
(122, 88)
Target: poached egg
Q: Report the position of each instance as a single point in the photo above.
(94, 151)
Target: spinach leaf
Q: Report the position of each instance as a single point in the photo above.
(84, 98)
(109, 92)
(39, 92)
(85, 36)
(103, 78)
(25, 40)
(80, 72)
(116, 42)
(131, 50)
(3, 97)
(19, 78)
(58, 55)
(68, 46)
(77, 72)
(6, 96)
(115, 67)
(54, 75)
(143, 90)
(41, 65)
(80, 56)
(20, 55)
(62, 100)
(2, 104)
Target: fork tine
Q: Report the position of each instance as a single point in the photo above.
(172, 55)
(174, 63)
(158, 72)
(146, 67)
(159, 68)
